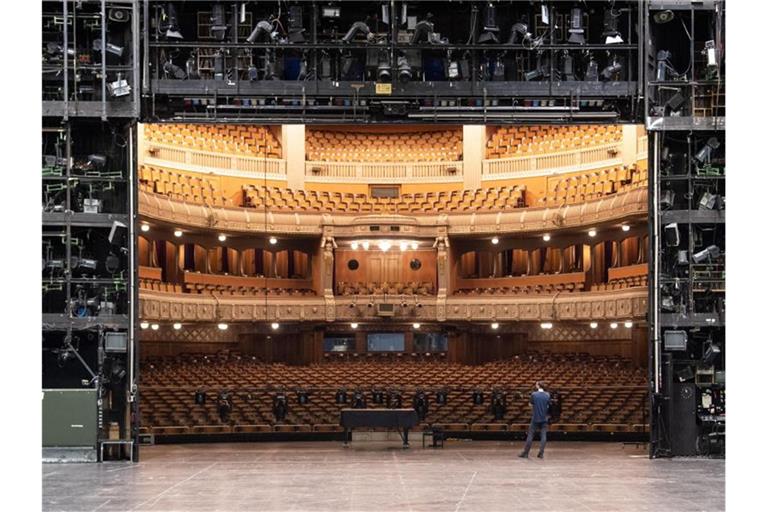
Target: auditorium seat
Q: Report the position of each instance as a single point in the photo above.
(599, 393)
(516, 141)
(246, 140)
(323, 145)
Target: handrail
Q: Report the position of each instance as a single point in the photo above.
(196, 160)
(384, 172)
(542, 279)
(590, 157)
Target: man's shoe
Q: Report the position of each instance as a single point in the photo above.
(541, 455)
(523, 455)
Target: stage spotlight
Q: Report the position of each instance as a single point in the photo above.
(519, 32)
(275, 326)
(711, 354)
(264, 31)
(592, 233)
(568, 74)
(490, 29)
(593, 325)
(145, 227)
(222, 238)
(546, 325)
(169, 22)
(592, 73)
(710, 52)
(416, 325)
(177, 233)
(614, 325)
(223, 327)
(495, 325)
(404, 73)
(144, 325)
(704, 155)
(611, 26)
(625, 227)
(218, 22)
(358, 27)
(353, 325)
(109, 47)
(173, 71)
(424, 31)
(708, 254)
(628, 324)
(119, 87)
(272, 240)
(177, 326)
(613, 70)
(576, 30)
(384, 70)
(709, 201)
(495, 240)
(662, 17)
(546, 237)
(155, 327)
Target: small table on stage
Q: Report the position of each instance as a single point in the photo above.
(394, 419)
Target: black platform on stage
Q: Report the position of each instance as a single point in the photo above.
(395, 419)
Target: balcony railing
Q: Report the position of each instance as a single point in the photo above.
(195, 160)
(384, 172)
(546, 163)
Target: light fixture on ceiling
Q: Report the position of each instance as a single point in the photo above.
(223, 327)
(416, 325)
(144, 325)
(546, 237)
(614, 325)
(592, 232)
(155, 327)
(546, 325)
(495, 240)
(353, 325)
(275, 326)
(222, 238)
(625, 227)
(593, 325)
(272, 240)
(628, 324)
(495, 325)
(145, 227)
(177, 326)
(177, 233)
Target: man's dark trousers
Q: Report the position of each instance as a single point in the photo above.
(536, 425)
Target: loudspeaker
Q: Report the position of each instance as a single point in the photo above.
(683, 427)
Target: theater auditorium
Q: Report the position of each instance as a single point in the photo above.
(389, 255)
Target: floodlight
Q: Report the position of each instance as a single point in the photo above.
(404, 72)
(384, 70)
(109, 47)
(611, 26)
(424, 31)
(490, 29)
(119, 87)
(169, 22)
(576, 30)
(711, 354)
(218, 22)
(264, 31)
(358, 27)
(662, 17)
(704, 155)
(519, 32)
(710, 253)
(612, 70)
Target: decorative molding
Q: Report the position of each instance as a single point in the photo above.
(609, 209)
(609, 305)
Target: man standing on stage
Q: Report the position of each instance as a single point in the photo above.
(539, 420)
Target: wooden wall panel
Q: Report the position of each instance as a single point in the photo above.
(392, 266)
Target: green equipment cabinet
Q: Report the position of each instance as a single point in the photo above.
(70, 418)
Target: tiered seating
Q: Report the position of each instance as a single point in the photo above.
(246, 140)
(599, 393)
(622, 283)
(543, 284)
(513, 141)
(457, 201)
(411, 288)
(585, 187)
(342, 146)
(182, 186)
(224, 284)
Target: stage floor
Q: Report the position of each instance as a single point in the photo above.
(380, 476)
